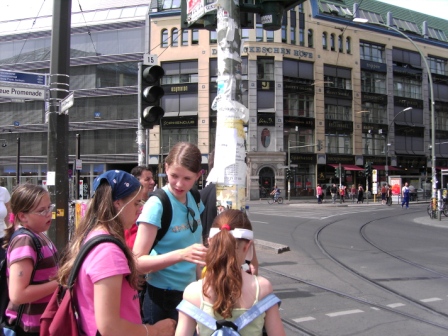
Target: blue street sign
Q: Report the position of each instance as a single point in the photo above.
(16, 123)
(23, 77)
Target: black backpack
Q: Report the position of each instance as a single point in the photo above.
(167, 214)
(4, 293)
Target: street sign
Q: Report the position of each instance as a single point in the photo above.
(23, 77)
(14, 92)
(150, 59)
(67, 102)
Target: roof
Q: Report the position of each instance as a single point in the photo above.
(406, 20)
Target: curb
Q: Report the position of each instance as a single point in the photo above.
(273, 247)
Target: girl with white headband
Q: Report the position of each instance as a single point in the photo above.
(227, 291)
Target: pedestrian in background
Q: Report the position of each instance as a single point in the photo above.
(342, 193)
(334, 193)
(5, 210)
(353, 192)
(177, 259)
(319, 194)
(107, 283)
(360, 194)
(145, 176)
(227, 291)
(405, 195)
(32, 209)
(383, 194)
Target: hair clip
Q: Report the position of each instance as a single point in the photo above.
(225, 227)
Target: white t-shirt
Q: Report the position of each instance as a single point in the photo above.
(4, 198)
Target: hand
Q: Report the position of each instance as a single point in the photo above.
(165, 327)
(195, 254)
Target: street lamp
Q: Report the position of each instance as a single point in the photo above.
(386, 167)
(431, 89)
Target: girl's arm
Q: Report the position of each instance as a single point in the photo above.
(20, 290)
(186, 325)
(107, 313)
(272, 321)
(145, 263)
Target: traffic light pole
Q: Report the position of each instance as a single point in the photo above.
(141, 132)
(58, 124)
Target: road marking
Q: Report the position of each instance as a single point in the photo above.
(431, 300)
(346, 312)
(395, 305)
(303, 319)
(254, 221)
(375, 308)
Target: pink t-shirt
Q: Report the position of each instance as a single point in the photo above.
(105, 260)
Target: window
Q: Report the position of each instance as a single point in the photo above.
(301, 37)
(174, 37)
(437, 65)
(265, 68)
(245, 34)
(337, 77)
(372, 52)
(258, 29)
(407, 87)
(373, 82)
(310, 38)
(338, 112)
(332, 42)
(172, 136)
(292, 35)
(299, 138)
(324, 40)
(298, 105)
(195, 37)
(376, 113)
(284, 37)
(373, 144)
(340, 44)
(180, 72)
(348, 45)
(269, 36)
(213, 37)
(184, 37)
(164, 37)
(338, 143)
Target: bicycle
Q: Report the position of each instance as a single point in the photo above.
(433, 213)
(272, 199)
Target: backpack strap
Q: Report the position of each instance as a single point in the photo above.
(196, 196)
(196, 313)
(256, 310)
(85, 249)
(36, 241)
(167, 215)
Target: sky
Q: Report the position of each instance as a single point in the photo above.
(30, 8)
(437, 8)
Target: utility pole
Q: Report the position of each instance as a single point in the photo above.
(58, 124)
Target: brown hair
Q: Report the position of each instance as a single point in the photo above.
(24, 199)
(186, 155)
(101, 213)
(223, 276)
(138, 170)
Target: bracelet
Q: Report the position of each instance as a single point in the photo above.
(146, 328)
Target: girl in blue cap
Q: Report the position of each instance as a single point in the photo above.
(177, 259)
(106, 287)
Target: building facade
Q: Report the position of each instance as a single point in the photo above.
(323, 92)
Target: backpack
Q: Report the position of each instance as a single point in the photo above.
(167, 214)
(4, 293)
(224, 327)
(61, 315)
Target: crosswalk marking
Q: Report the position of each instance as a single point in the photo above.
(304, 319)
(346, 312)
(431, 300)
(395, 305)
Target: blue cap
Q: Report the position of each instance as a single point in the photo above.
(123, 184)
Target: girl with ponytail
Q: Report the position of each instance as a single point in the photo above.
(227, 291)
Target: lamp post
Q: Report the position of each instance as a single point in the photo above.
(431, 89)
(386, 167)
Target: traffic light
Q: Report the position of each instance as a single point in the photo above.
(337, 172)
(368, 168)
(150, 94)
(288, 174)
(319, 145)
(272, 12)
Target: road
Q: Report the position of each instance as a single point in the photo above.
(356, 269)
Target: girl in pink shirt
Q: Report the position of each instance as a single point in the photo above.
(106, 287)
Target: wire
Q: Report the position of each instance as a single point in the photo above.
(34, 22)
(88, 30)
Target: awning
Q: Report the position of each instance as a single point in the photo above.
(346, 166)
(440, 168)
(390, 168)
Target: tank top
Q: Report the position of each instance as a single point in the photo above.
(255, 328)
